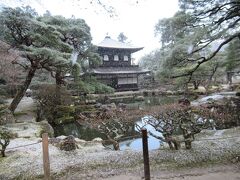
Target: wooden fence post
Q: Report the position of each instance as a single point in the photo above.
(145, 155)
(46, 163)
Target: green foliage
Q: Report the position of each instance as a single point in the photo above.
(2, 102)
(45, 128)
(96, 87)
(46, 42)
(93, 58)
(42, 77)
(3, 91)
(90, 85)
(64, 120)
(197, 34)
(48, 101)
(153, 60)
(232, 60)
(181, 82)
(80, 87)
(173, 29)
(76, 33)
(84, 108)
(63, 110)
(2, 105)
(76, 72)
(102, 88)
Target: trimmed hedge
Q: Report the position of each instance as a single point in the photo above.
(65, 111)
(90, 85)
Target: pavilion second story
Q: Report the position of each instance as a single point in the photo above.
(115, 53)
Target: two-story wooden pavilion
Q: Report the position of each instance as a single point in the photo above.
(117, 70)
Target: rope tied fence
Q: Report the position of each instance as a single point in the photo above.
(132, 137)
(25, 145)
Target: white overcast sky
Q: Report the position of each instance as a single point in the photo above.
(135, 18)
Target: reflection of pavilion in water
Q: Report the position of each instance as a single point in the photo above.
(117, 70)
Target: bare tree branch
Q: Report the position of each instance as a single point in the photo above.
(204, 59)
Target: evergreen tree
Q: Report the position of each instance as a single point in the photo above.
(45, 42)
(233, 55)
(193, 32)
(122, 37)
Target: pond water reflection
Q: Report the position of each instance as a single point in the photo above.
(155, 100)
(78, 131)
(136, 144)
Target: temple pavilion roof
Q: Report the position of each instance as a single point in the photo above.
(113, 44)
(120, 70)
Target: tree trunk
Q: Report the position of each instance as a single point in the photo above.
(59, 82)
(211, 77)
(229, 78)
(195, 85)
(3, 148)
(188, 138)
(188, 144)
(3, 152)
(18, 97)
(114, 142)
(170, 145)
(177, 144)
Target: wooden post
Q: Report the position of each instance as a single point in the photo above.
(46, 163)
(145, 155)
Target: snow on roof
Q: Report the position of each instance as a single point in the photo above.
(110, 43)
(119, 70)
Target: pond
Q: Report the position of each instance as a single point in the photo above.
(156, 100)
(78, 131)
(136, 144)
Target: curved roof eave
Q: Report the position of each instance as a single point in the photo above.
(113, 44)
(133, 49)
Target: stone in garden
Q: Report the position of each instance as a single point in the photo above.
(68, 144)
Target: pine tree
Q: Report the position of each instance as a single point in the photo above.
(45, 42)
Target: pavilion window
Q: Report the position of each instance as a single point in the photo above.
(125, 58)
(116, 58)
(127, 80)
(105, 58)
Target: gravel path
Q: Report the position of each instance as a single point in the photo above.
(212, 172)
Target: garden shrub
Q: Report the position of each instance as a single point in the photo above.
(64, 120)
(3, 91)
(90, 86)
(49, 100)
(4, 140)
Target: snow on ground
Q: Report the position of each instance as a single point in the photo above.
(92, 159)
(213, 97)
(26, 104)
